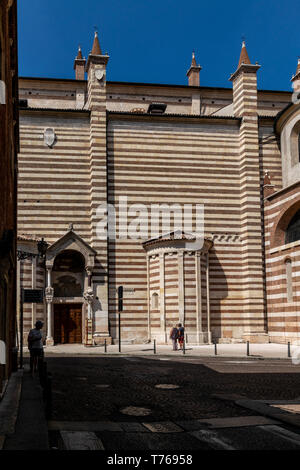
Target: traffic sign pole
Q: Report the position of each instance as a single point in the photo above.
(120, 309)
(21, 328)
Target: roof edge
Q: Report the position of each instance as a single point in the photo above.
(169, 115)
(56, 110)
(164, 85)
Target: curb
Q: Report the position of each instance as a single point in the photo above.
(157, 355)
(264, 408)
(9, 406)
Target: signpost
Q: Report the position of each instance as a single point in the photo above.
(33, 296)
(120, 309)
(30, 296)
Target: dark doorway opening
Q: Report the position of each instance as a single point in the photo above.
(67, 323)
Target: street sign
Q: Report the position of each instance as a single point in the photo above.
(33, 296)
(120, 298)
(130, 290)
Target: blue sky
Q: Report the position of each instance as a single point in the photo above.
(152, 40)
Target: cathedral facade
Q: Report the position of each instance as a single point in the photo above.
(89, 144)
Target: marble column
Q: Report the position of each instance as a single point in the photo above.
(181, 287)
(148, 297)
(88, 296)
(33, 285)
(162, 296)
(199, 319)
(49, 291)
(208, 299)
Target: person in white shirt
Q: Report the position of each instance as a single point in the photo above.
(35, 346)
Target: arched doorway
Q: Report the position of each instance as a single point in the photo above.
(68, 275)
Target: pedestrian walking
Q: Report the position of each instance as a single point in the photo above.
(35, 346)
(174, 337)
(180, 335)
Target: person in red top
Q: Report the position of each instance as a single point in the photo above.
(180, 335)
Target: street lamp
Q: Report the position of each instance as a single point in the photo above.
(42, 246)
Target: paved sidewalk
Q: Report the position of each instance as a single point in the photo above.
(31, 432)
(9, 406)
(269, 350)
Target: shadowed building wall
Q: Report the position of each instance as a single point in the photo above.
(9, 146)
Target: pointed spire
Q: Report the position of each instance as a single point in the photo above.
(267, 179)
(194, 63)
(96, 49)
(244, 58)
(96, 56)
(79, 65)
(79, 53)
(193, 72)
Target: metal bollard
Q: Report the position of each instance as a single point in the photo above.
(183, 349)
(48, 396)
(248, 349)
(105, 345)
(289, 349)
(154, 346)
(216, 352)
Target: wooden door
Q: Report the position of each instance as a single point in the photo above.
(67, 323)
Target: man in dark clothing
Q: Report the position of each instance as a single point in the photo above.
(35, 346)
(173, 337)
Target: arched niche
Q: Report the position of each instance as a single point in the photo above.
(71, 241)
(154, 301)
(68, 274)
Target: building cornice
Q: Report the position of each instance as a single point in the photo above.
(72, 80)
(54, 110)
(247, 68)
(158, 85)
(283, 190)
(165, 117)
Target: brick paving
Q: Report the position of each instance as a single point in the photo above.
(219, 404)
(77, 391)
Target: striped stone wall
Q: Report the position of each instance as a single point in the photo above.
(171, 290)
(54, 183)
(153, 161)
(190, 301)
(107, 152)
(283, 310)
(53, 188)
(98, 184)
(252, 273)
(155, 298)
(32, 276)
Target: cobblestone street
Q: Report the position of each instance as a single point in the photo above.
(118, 401)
